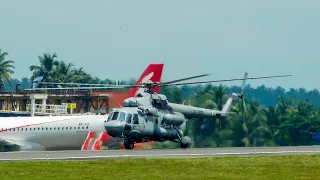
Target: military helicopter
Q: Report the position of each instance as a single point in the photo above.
(151, 117)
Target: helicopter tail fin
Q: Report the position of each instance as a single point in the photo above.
(227, 106)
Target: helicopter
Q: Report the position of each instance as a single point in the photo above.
(151, 117)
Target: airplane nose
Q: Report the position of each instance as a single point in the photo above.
(114, 128)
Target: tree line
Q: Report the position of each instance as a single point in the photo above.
(288, 122)
(275, 116)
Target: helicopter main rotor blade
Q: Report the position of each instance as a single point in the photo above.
(83, 84)
(81, 88)
(184, 79)
(226, 80)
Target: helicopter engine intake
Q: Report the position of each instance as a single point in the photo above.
(130, 102)
(152, 111)
(173, 119)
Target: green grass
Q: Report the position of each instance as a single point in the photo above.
(258, 167)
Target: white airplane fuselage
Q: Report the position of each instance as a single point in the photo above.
(64, 132)
(51, 132)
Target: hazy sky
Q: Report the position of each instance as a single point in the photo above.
(117, 39)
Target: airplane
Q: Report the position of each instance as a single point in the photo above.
(75, 132)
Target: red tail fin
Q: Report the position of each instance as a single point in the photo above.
(153, 73)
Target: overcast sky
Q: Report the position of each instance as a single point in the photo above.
(117, 39)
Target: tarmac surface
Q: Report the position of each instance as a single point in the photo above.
(157, 153)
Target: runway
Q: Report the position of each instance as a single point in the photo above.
(157, 153)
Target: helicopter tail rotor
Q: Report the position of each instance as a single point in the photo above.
(241, 95)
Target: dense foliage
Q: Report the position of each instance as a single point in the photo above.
(275, 116)
(287, 123)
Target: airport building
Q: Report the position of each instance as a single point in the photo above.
(59, 102)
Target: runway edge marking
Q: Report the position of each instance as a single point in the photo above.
(156, 155)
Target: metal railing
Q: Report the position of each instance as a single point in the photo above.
(49, 109)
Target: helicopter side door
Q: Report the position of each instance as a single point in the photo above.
(138, 122)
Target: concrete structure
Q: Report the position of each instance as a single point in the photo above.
(59, 102)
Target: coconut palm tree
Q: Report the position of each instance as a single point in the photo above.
(6, 68)
(80, 76)
(63, 72)
(46, 69)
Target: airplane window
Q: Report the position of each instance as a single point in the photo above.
(58, 128)
(14, 129)
(17, 129)
(38, 128)
(66, 127)
(46, 128)
(87, 127)
(54, 128)
(50, 128)
(135, 119)
(115, 116)
(82, 127)
(21, 129)
(75, 127)
(78, 127)
(62, 128)
(34, 128)
(122, 116)
(128, 118)
(42, 129)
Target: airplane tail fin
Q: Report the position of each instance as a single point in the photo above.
(153, 72)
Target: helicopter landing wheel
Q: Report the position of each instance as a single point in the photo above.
(128, 144)
(185, 142)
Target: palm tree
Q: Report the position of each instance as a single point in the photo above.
(63, 72)
(6, 68)
(46, 68)
(80, 76)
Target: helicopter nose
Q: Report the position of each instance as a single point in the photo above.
(114, 128)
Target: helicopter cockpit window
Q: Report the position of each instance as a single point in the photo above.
(128, 118)
(109, 117)
(115, 116)
(122, 116)
(135, 119)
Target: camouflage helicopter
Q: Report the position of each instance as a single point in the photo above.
(151, 117)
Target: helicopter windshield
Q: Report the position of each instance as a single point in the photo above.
(115, 116)
(122, 116)
(128, 118)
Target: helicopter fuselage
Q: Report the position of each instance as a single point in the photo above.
(134, 123)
